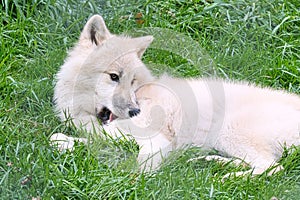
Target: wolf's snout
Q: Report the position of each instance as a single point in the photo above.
(133, 112)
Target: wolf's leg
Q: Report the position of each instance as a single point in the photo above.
(254, 172)
(259, 166)
(153, 150)
(221, 159)
(150, 161)
(64, 142)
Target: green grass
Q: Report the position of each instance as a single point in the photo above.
(257, 41)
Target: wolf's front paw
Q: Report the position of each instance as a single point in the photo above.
(64, 142)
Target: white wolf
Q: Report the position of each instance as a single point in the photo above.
(99, 77)
(239, 120)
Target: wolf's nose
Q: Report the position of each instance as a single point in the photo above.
(133, 112)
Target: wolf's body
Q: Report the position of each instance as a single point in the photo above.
(237, 119)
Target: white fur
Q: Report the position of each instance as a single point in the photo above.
(237, 119)
(83, 84)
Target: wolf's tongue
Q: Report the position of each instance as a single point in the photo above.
(112, 117)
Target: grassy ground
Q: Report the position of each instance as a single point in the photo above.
(257, 41)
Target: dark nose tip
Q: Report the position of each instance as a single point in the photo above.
(133, 112)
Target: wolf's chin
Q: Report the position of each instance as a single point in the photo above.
(106, 116)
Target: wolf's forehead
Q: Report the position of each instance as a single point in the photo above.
(127, 66)
(123, 70)
(127, 58)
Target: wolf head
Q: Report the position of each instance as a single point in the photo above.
(101, 74)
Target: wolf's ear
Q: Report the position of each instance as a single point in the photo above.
(142, 44)
(95, 30)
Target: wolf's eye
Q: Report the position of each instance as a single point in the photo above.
(132, 82)
(114, 77)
